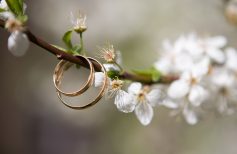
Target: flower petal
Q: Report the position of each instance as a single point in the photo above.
(134, 88)
(3, 4)
(197, 95)
(18, 43)
(183, 62)
(190, 116)
(169, 103)
(164, 65)
(217, 42)
(201, 68)
(144, 113)
(216, 54)
(178, 89)
(155, 97)
(231, 62)
(119, 59)
(99, 79)
(111, 67)
(124, 102)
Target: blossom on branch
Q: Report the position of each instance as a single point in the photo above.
(78, 22)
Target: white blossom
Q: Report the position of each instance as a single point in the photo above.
(212, 48)
(143, 101)
(190, 115)
(225, 90)
(189, 85)
(18, 43)
(123, 100)
(78, 21)
(174, 58)
(107, 53)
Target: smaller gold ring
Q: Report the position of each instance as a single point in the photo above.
(61, 67)
(98, 97)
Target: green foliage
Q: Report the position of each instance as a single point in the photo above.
(23, 18)
(153, 73)
(76, 50)
(16, 7)
(67, 39)
(2, 10)
(113, 74)
(21, 2)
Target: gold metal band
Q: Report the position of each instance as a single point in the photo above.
(98, 97)
(61, 67)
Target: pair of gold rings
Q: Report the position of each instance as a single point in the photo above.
(63, 65)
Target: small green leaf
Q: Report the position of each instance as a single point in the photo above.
(16, 7)
(67, 39)
(153, 73)
(113, 74)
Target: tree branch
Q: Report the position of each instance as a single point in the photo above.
(62, 55)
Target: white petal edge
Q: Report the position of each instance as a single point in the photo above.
(99, 79)
(111, 67)
(190, 116)
(144, 113)
(178, 89)
(169, 103)
(231, 61)
(216, 55)
(134, 88)
(154, 97)
(124, 102)
(197, 95)
(18, 43)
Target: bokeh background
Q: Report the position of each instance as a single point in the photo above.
(32, 119)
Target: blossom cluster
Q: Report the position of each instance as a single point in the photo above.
(207, 80)
(207, 70)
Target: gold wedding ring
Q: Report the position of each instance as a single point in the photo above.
(60, 68)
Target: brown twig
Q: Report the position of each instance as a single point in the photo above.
(62, 55)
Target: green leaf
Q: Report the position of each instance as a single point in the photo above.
(153, 73)
(113, 74)
(2, 10)
(21, 2)
(16, 7)
(67, 39)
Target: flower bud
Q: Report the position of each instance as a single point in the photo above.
(18, 43)
(79, 22)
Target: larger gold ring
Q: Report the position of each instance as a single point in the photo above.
(98, 97)
(61, 67)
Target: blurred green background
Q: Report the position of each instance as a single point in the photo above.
(33, 121)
